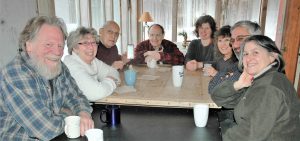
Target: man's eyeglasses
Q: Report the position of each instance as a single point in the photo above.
(110, 32)
(239, 38)
(155, 35)
(88, 43)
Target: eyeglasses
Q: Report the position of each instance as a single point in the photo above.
(110, 32)
(88, 43)
(155, 35)
(239, 38)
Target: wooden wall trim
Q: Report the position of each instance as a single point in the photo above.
(174, 20)
(291, 38)
(263, 14)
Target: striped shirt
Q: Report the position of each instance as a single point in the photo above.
(29, 110)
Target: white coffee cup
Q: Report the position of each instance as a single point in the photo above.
(201, 114)
(205, 66)
(152, 63)
(94, 134)
(72, 126)
(177, 75)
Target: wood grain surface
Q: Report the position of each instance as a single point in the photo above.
(161, 92)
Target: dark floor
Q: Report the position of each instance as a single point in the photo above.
(154, 124)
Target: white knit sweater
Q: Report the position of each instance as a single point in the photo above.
(92, 79)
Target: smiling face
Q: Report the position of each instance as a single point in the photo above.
(238, 35)
(256, 58)
(46, 50)
(87, 48)
(224, 47)
(109, 34)
(205, 31)
(155, 36)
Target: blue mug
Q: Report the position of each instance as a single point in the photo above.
(113, 115)
(130, 77)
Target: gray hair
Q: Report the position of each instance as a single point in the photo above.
(252, 27)
(75, 36)
(34, 25)
(268, 44)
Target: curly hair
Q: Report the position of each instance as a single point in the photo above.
(224, 31)
(76, 35)
(205, 19)
(34, 25)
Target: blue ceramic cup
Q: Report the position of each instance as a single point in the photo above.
(113, 115)
(130, 77)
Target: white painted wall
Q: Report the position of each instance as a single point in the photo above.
(13, 16)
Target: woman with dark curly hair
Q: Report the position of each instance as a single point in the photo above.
(225, 60)
(201, 50)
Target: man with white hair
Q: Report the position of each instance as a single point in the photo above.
(107, 49)
(36, 89)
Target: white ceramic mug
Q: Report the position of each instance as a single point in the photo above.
(72, 126)
(177, 75)
(201, 114)
(152, 63)
(205, 66)
(94, 134)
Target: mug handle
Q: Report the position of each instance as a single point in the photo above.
(101, 115)
(66, 130)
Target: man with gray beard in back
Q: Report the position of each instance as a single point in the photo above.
(239, 32)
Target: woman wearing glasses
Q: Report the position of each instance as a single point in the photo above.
(95, 78)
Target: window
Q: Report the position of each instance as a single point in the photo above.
(94, 13)
(104, 10)
(188, 11)
(68, 10)
(161, 11)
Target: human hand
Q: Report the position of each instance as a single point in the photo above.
(124, 58)
(117, 82)
(153, 54)
(86, 122)
(211, 71)
(245, 80)
(148, 59)
(118, 64)
(191, 65)
(200, 65)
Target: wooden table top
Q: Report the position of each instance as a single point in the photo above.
(161, 92)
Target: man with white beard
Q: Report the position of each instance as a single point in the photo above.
(36, 89)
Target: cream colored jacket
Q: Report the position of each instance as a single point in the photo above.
(92, 79)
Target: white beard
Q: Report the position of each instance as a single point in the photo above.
(43, 69)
